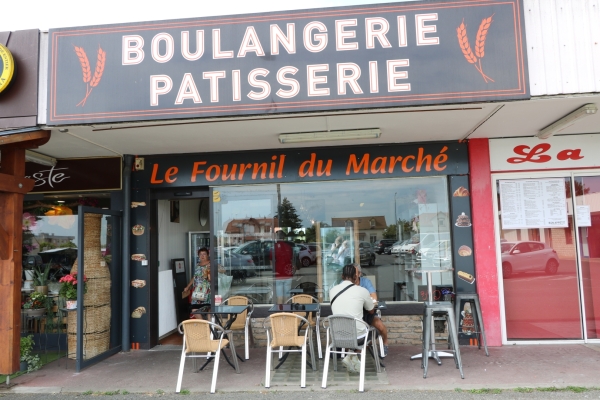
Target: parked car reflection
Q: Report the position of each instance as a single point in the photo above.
(528, 257)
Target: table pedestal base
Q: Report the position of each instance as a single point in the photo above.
(435, 354)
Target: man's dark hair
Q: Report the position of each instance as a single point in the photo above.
(349, 272)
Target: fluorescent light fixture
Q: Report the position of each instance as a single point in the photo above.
(330, 135)
(40, 158)
(567, 120)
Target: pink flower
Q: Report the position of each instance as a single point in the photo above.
(28, 221)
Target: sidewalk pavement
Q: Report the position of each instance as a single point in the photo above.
(533, 366)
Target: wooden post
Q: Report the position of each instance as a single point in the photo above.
(13, 186)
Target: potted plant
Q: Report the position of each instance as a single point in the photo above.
(40, 278)
(35, 305)
(29, 361)
(68, 289)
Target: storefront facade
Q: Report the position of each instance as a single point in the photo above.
(360, 73)
(210, 105)
(546, 228)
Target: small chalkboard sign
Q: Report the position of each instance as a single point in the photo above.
(179, 283)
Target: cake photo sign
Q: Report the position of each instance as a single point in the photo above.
(462, 235)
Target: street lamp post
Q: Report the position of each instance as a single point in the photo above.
(396, 220)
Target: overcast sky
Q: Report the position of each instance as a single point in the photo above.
(45, 14)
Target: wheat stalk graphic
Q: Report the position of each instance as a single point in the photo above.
(91, 82)
(465, 46)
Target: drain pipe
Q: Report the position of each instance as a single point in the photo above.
(125, 287)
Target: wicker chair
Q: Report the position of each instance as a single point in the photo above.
(242, 322)
(341, 333)
(197, 339)
(313, 322)
(283, 332)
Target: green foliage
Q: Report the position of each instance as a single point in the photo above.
(69, 245)
(288, 215)
(577, 389)
(35, 301)
(125, 392)
(311, 234)
(548, 389)
(87, 393)
(485, 391)
(184, 392)
(390, 232)
(523, 390)
(46, 246)
(41, 274)
(68, 288)
(26, 348)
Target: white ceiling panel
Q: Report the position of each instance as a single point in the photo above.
(405, 125)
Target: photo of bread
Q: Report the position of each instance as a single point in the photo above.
(138, 283)
(466, 277)
(138, 257)
(137, 313)
(138, 230)
(461, 192)
(464, 251)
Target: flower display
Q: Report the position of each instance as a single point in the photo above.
(68, 288)
(35, 301)
(29, 221)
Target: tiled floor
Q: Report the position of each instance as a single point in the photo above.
(289, 373)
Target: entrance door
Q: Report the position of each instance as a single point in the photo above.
(539, 266)
(587, 201)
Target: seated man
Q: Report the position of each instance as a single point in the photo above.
(350, 299)
(372, 319)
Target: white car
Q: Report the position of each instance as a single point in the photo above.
(424, 240)
(397, 246)
(305, 255)
(439, 251)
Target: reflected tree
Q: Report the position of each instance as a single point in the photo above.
(288, 215)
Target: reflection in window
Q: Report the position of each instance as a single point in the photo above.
(303, 235)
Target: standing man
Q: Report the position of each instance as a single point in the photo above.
(282, 256)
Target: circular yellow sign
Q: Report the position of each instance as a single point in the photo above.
(7, 67)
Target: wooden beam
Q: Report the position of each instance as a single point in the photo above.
(35, 138)
(11, 219)
(13, 184)
(4, 243)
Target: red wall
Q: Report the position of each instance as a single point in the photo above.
(484, 238)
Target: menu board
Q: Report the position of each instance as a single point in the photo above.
(533, 203)
(584, 217)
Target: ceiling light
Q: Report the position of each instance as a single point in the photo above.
(330, 135)
(40, 158)
(60, 201)
(567, 120)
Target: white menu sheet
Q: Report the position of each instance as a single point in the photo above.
(533, 203)
(584, 217)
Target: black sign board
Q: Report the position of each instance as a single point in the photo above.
(303, 165)
(387, 55)
(76, 175)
